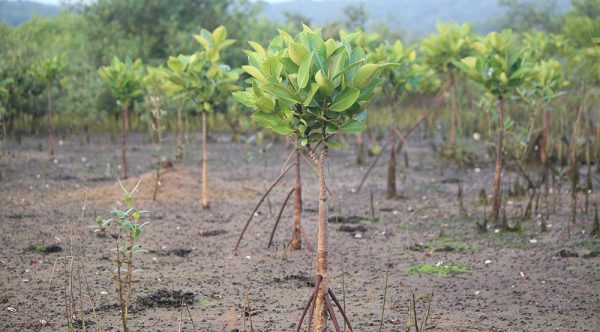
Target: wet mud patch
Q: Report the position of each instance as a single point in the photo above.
(41, 249)
(215, 232)
(353, 229)
(346, 219)
(166, 298)
(300, 280)
(179, 252)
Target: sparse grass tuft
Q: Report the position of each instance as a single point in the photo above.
(441, 269)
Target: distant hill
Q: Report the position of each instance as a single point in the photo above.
(418, 17)
(14, 13)
(415, 16)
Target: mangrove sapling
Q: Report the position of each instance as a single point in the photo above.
(452, 43)
(4, 112)
(124, 80)
(500, 68)
(313, 89)
(129, 230)
(156, 113)
(49, 71)
(407, 77)
(201, 78)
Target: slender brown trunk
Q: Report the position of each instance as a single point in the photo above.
(125, 121)
(204, 164)
(179, 152)
(453, 114)
(497, 199)
(544, 140)
(50, 123)
(296, 234)
(158, 164)
(360, 149)
(391, 171)
(319, 321)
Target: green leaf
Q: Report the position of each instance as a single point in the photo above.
(345, 100)
(282, 129)
(265, 104)
(325, 85)
(333, 145)
(353, 126)
(257, 47)
(297, 52)
(304, 71)
(255, 72)
(245, 98)
(364, 75)
(267, 120)
(314, 87)
(280, 92)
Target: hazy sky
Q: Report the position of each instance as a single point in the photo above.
(55, 2)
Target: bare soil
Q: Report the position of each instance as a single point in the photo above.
(519, 281)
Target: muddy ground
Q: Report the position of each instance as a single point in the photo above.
(518, 281)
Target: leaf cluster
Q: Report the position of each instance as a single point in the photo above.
(310, 87)
(124, 79)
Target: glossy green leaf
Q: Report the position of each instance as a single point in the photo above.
(353, 126)
(345, 100)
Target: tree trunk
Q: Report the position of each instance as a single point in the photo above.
(179, 152)
(50, 124)
(204, 164)
(125, 130)
(391, 171)
(497, 199)
(158, 164)
(453, 114)
(360, 147)
(296, 234)
(544, 140)
(319, 321)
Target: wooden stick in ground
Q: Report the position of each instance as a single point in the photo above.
(262, 199)
(287, 198)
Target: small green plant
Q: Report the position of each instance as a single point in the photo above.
(40, 249)
(129, 229)
(124, 80)
(441, 269)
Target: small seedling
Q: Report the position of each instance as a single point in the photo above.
(129, 230)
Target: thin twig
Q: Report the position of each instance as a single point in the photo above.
(259, 204)
(287, 198)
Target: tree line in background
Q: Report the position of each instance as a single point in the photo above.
(75, 73)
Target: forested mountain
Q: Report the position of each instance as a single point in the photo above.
(416, 17)
(15, 12)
